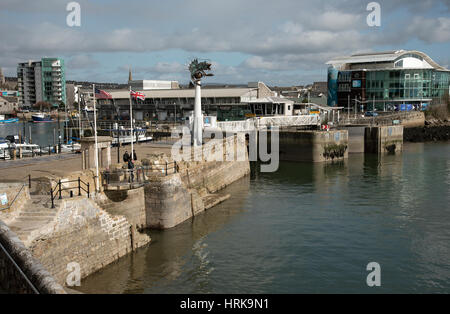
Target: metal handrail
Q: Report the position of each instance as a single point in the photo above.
(18, 193)
(140, 171)
(30, 284)
(58, 189)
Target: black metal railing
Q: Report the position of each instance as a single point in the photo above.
(56, 192)
(138, 175)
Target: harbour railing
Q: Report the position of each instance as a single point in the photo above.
(138, 176)
(56, 192)
(36, 151)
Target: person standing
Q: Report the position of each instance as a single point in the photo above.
(130, 168)
(126, 157)
(134, 155)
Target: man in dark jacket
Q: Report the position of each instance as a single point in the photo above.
(134, 155)
(126, 157)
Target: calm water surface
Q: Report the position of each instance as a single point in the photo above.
(41, 133)
(307, 229)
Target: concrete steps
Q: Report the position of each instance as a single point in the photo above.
(36, 213)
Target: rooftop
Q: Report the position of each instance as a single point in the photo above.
(384, 57)
(186, 93)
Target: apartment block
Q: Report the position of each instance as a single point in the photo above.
(42, 81)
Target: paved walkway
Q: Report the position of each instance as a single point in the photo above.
(59, 165)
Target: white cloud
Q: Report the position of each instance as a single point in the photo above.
(273, 38)
(82, 62)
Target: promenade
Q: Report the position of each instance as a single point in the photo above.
(61, 164)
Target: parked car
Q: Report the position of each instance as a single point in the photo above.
(371, 114)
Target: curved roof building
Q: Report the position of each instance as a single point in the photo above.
(386, 80)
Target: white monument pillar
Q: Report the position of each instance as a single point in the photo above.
(198, 117)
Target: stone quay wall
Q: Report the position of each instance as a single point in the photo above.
(383, 139)
(313, 146)
(407, 119)
(14, 280)
(127, 203)
(83, 233)
(171, 200)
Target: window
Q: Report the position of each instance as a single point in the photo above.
(399, 64)
(407, 76)
(416, 76)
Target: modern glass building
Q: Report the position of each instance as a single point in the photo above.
(387, 81)
(43, 80)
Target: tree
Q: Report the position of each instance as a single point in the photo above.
(42, 104)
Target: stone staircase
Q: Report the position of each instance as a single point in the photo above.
(36, 213)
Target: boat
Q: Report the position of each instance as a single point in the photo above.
(4, 149)
(41, 117)
(11, 120)
(70, 148)
(125, 135)
(27, 150)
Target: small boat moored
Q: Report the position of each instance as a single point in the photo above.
(10, 120)
(41, 117)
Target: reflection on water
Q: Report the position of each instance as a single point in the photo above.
(41, 133)
(307, 228)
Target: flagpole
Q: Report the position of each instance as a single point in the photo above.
(132, 130)
(96, 142)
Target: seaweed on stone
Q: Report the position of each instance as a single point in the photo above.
(334, 151)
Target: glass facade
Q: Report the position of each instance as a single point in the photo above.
(407, 84)
(53, 81)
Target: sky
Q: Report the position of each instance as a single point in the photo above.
(281, 43)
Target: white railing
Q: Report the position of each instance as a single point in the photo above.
(264, 122)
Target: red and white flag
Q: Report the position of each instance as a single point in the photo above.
(101, 94)
(137, 95)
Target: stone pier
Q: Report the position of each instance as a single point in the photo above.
(383, 139)
(313, 146)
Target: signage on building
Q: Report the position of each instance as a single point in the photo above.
(356, 84)
(4, 199)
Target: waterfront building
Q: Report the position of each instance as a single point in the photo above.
(73, 95)
(227, 103)
(2, 78)
(386, 80)
(42, 81)
(8, 104)
(142, 85)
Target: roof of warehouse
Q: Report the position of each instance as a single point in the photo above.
(186, 93)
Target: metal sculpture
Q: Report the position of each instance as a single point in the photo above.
(198, 71)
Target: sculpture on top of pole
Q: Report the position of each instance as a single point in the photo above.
(198, 71)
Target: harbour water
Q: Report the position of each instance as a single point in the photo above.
(41, 133)
(308, 228)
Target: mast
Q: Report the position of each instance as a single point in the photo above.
(96, 142)
(132, 129)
